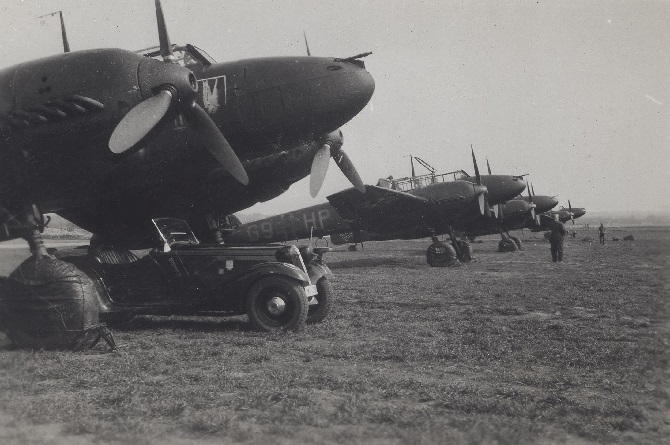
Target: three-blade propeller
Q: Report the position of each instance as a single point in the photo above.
(146, 115)
(332, 147)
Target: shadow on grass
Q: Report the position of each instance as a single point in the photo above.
(193, 324)
(402, 261)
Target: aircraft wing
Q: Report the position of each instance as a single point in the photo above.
(379, 209)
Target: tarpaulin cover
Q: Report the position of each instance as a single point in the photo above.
(48, 304)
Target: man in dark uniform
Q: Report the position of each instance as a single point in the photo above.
(441, 254)
(556, 240)
(601, 233)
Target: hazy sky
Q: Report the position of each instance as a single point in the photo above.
(575, 93)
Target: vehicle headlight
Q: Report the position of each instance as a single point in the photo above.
(288, 254)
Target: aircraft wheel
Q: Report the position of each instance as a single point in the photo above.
(507, 245)
(277, 304)
(465, 251)
(319, 311)
(441, 255)
(49, 304)
(353, 248)
(517, 241)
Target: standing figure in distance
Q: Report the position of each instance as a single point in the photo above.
(556, 240)
(601, 233)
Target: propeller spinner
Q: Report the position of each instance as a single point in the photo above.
(332, 147)
(176, 86)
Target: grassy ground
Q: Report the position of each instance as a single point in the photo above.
(510, 349)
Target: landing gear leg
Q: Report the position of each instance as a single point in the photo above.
(455, 243)
(462, 248)
(507, 244)
(440, 254)
(35, 224)
(516, 240)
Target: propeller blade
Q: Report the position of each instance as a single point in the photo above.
(163, 38)
(572, 215)
(215, 142)
(319, 169)
(532, 213)
(488, 166)
(532, 188)
(483, 204)
(347, 167)
(530, 197)
(496, 211)
(474, 162)
(139, 121)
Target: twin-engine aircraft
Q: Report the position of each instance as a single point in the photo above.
(407, 208)
(110, 139)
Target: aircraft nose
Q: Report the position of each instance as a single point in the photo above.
(340, 95)
(504, 188)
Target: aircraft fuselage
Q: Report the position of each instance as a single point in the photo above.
(54, 144)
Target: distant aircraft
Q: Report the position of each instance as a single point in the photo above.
(543, 203)
(512, 215)
(110, 139)
(406, 208)
(563, 215)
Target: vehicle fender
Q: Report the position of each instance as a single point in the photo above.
(261, 270)
(317, 270)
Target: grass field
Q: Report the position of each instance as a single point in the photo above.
(509, 349)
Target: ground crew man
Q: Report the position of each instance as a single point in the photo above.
(601, 233)
(556, 240)
(441, 254)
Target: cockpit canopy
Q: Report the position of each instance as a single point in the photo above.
(417, 182)
(187, 55)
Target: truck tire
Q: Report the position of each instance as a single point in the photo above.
(318, 312)
(277, 303)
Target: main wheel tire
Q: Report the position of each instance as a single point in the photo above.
(49, 304)
(507, 245)
(319, 311)
(517, 241)
(443, 255)
(464, 251)
(277, 304)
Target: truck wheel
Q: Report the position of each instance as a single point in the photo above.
(277, 304)
(319, 311)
